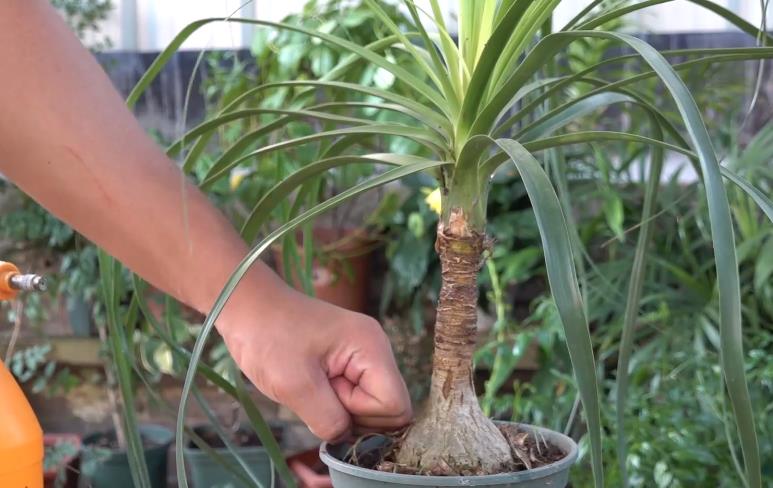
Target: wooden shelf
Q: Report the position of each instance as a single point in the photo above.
(66, 350)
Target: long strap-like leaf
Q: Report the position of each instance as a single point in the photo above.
(562, 277)
(242, 269)
(422, 136)
(403, 74)
(635, 286)
(721, 11)
(110, 274)
(723, 239)
(284, 188)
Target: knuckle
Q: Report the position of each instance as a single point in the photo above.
(393, 406)
(370, 326)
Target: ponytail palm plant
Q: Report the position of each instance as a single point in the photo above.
(496, 95)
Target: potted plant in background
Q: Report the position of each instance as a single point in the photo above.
(105, 462)
(206, 471)
(60, 454)
(130, 454)
(476, 105)
(332, 258)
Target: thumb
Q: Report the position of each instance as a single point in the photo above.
(317, 404)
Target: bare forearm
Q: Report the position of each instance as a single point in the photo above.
(67, 140)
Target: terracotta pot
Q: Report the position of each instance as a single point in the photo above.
(63, 468)
(310, 470)
(341, 272)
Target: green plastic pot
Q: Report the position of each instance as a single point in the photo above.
(556, 475)
(207, 472)
(109, 468)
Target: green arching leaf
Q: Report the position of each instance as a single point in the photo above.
(352, 59)
(430, 117)
(386, 107)
(557, 247)
(724, 250)
(110, 274)
(459, 72)
(247, 403)
(452, 91)
(481, 76)
(635, 286)
(261, 427)
(401, 73)
(564, 115)
(582, 13)
(340, 70)
(157, 399)
(467, 32)
(140, 288)
(522, 92)
(317, 112)
(538, 14)
(484, 25)
(557, 84)
(190, 434)
(436, 72)
(233, 451)
(655, 116)
(284, 188)
(707, 4)
(721, 224)
(241, 270)
(214, 123)
(422, 136)
(490, 165)
(546, 48)
(762, 200)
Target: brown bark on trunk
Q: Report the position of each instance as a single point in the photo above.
(453, 436)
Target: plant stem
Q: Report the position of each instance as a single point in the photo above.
(112, 395)
(453, 436)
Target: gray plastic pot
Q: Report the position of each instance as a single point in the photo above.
(556, 475)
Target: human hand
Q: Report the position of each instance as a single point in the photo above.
(332, 367)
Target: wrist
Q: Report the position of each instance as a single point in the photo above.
(261, 297)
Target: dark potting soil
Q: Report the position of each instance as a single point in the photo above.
(240, 438)
(377, 452)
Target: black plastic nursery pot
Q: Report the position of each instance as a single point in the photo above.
(555, 475)
(108, 467)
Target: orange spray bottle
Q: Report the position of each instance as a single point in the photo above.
(21, 438)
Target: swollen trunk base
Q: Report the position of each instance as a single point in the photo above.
(555, 475)
(452, 436)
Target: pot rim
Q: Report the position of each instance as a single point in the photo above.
(165, 435)
(439, 481)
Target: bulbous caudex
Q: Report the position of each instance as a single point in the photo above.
(452, 436)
